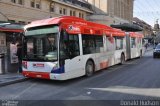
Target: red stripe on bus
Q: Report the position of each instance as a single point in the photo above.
(41, 75)
(104, 64)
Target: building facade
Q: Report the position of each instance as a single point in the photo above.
(147, 29)
(102, 11)
(111, 11)
(25, 11)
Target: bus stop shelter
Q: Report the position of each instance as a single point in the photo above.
(9, 33)
(128, 27)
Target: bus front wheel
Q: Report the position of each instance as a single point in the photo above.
(89, 68)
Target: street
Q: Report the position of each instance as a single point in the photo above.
(137, 79)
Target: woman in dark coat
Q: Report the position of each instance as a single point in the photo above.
(19, 54)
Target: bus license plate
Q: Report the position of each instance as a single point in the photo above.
(38, 76)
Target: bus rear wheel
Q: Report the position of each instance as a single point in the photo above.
(89, 68)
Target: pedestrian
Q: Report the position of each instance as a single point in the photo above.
(146, 45)
(19, 54)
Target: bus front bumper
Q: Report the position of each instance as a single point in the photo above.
(41, 75)
(54, 76)
(44, 75)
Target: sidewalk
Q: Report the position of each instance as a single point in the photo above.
(11, 78)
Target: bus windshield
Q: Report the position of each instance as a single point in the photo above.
(41, 45)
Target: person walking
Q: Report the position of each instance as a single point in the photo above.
(146, 46)
(19, 54)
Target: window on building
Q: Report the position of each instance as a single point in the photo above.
(82, 4)
(119, 43)
(64, 11)
(33, 3)
(80, 15)
(52, 8)
(74, 13)
(71, 13)
(60, 10)
(13, 1)
(38, 4)
(21, 2)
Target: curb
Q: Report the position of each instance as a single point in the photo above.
(13, 82)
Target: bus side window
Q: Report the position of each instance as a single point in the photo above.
(119, 43)
(133, 42)
(110, 44)
(89, 45)
(99, 44)
(74, 46)
(69, 46)
(63, 52)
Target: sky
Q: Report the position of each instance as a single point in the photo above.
(147, 10)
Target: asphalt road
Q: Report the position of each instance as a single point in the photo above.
(138, 79)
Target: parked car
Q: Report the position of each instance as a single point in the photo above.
(156, 52)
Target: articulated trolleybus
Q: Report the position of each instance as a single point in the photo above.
(68, 47)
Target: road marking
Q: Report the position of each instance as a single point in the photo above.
(25, 90)
(153, 92)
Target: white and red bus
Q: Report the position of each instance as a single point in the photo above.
(68, 47)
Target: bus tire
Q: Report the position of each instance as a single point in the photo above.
(89, 68)
(122, 59)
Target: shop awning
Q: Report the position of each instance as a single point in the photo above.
(9, 27)
(128, 27)
(10, 30)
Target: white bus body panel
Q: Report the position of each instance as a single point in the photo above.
(40, 66)
(118, 54)
(135, 52)
(74, 67)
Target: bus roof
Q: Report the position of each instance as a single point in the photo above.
(77, 25)
(63, 19)
(135, 34)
